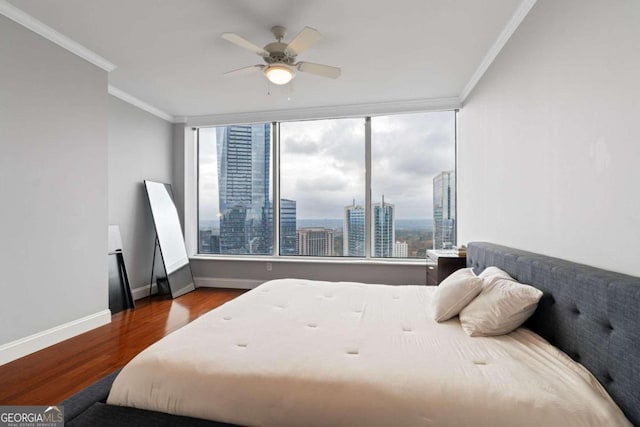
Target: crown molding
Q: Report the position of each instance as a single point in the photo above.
(514, 22)
(140, 104)
(353, 110)
(38, 27)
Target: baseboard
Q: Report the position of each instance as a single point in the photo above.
(27, 345)
(223, 282)
(202, 282)
(143, 291)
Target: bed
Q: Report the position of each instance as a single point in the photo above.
(295, 352)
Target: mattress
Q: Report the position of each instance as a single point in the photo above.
(307, 353)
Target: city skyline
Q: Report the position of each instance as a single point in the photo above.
(321, 162)
(404, 241)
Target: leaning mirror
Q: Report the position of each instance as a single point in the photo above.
(169, 239)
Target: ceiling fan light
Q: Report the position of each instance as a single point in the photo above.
(279, 74)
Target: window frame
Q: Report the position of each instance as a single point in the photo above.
(275, 195)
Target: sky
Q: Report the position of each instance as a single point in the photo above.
(322, 164)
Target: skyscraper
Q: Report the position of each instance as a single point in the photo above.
(209, 242)
(400, 250)
(444, 210)
(244, 188)
(383, 228)
(314, 241)
(354, 230)
(287, 227)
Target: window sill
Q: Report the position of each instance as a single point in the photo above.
(312, 260)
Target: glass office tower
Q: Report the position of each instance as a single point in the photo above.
(244, 189)
(384, 230)
(354, 230)
(444, 210)
(287, 227)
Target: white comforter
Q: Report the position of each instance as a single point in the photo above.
(304, 353)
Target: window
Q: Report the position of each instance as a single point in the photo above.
(234, 199)
(412, 184)
(323, 206)
(322, 168)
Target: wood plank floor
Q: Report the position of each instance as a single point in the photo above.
(55, 373)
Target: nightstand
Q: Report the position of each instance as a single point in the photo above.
(441, 263)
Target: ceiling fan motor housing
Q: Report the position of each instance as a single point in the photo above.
(277, 54)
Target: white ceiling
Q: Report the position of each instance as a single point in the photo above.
(169, 54)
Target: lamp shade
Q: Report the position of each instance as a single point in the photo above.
(279, 74)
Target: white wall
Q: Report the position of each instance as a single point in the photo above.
(140, 147)
(549, 140)
(53, 188)
(178, 167)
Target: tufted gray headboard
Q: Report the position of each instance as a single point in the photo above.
(593, 315)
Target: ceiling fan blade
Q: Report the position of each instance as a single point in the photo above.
(319, 69)
(244, 70)
(244, 43)
(304, 40)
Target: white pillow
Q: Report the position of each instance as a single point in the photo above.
(502, 306)
(494, 271)
(454, 293)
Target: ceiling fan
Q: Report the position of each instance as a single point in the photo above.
(280, 58)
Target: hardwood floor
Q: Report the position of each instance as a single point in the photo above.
(55, 373)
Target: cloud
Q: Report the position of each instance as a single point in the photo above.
(327, 176)
(321, 183)
(408, 151)
(339, 142)
(298, 145)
